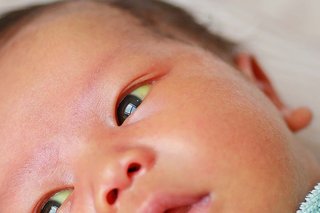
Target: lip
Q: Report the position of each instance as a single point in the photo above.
(164, 203)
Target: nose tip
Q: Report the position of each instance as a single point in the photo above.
(121, 172)
(132, 170)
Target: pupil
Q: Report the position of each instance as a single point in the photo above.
(126, 107)
(51, 207)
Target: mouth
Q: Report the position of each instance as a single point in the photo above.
(177, 204)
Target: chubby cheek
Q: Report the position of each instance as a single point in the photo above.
(221, 141)
(237, 161)
(240, 156)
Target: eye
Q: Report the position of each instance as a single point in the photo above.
(130, 103)
(53, 204)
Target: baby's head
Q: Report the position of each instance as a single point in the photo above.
(107, 107)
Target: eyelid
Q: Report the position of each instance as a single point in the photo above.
(130, 89)
(150, 84)
(40, 204)
(148, 78)
(140, 91)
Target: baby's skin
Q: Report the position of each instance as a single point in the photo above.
(203, 137)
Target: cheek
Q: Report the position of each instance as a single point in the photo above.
(237, 138)
(217, 128)
(225, 133)
(246, 153)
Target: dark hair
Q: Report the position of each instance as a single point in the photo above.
(153, 14)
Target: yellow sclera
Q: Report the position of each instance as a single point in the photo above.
(61, 196)
(141, 92)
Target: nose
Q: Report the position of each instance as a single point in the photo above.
(117, 172)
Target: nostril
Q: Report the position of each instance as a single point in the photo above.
(112, 196)
(133, 168)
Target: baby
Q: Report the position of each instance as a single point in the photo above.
(119, 106)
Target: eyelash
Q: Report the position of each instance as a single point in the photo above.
(128, 92)
(150, 78)
(46, 198)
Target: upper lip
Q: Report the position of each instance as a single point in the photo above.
(160, 203)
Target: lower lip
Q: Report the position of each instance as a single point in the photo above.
(202, 206)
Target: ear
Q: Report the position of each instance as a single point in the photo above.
(296, 118)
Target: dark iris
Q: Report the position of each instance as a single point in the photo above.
(126, 107)
(50, 207)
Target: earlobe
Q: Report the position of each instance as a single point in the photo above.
(296, 119)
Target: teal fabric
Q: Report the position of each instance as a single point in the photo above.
(312, 201)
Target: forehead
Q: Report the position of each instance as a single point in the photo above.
(54, 49)
(52, 63)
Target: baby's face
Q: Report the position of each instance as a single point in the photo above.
(203, 138)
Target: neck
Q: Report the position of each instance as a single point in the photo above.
(314, 148)
(310, 158)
